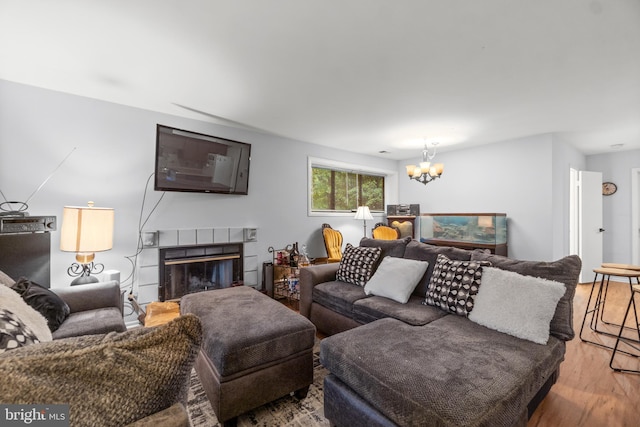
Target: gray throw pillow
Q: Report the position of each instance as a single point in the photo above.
(47, 303)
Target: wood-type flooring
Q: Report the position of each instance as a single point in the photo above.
(588, 392)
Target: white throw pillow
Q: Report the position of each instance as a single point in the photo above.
(518, 305)
(12, 301)
(396, 278)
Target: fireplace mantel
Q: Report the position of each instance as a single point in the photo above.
(154, 240)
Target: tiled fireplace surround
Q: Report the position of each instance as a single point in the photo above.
(148, 268)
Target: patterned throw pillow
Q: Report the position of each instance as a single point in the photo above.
(14, 333)
(454, 284)
(357, 264)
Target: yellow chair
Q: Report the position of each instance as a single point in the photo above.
(383, 232)
(332, 242)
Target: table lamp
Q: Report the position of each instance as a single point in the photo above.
(364, 214)
(86, 230)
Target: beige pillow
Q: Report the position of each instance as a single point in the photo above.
(108, 380)
(12, 301)
(6, 280)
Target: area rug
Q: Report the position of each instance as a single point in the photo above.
(286, 411)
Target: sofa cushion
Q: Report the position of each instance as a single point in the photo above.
(425, 252)
(13, 332)
(394, 248)
(450, 372)
(11, 300)
(338, 296)
(357, 264)
(415, 313)
(565, 270)
(107, 380)
(454, 284)
(50, 305)
(396, 278)
(97, 321)
(518, 305)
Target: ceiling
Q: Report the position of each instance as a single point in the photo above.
(362, 75)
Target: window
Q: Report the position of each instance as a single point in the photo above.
(340, 188)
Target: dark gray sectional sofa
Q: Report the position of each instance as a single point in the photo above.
(417, 365)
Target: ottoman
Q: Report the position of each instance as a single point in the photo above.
(254, 349)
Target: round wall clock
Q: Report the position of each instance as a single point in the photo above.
(608, 188)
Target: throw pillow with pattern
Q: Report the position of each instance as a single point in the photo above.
(14, 333)
(454, 284)
(357, 264)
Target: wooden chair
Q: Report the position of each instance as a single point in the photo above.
(384, 232)
(332, 243)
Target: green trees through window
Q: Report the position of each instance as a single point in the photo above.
(343, 191)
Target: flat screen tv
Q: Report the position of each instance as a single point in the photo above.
(190, 161)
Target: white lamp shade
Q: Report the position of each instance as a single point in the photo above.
(86, 229)
(363, 212)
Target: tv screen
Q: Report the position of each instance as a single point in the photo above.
(190, 161)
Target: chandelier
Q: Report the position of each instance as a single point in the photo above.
(425, 172)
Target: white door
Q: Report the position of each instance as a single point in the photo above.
(590, 222)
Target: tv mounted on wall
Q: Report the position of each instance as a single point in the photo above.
(191, 161)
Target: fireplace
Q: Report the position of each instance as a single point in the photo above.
(188, 269)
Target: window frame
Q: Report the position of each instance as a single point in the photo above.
(390, 183)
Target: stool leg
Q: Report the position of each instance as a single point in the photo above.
(620, 337)
(604, 302)
(586, 310)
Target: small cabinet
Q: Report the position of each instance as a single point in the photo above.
(466, 230)
(286, 278)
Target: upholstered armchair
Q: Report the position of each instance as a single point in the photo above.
(332, 243)
(383, 232)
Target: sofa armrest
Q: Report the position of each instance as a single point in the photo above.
(310, 277)
(91, 296)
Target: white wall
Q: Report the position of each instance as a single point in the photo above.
(115, 156)
(616, 167)
(520, 177)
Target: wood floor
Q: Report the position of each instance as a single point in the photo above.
(588, 392)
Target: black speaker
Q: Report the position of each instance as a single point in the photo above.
(414, 210)
(267, 278)
(392, 210)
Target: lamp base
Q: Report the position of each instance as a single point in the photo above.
(84, 280)
(83, 273)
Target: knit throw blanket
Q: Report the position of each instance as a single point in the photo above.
(107, 380)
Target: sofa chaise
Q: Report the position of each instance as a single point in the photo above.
(417, 364)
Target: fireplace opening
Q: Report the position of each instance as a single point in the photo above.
(189, 269)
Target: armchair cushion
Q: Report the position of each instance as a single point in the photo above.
(107, 380)
(47, 303)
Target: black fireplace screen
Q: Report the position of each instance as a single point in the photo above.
(186, 270)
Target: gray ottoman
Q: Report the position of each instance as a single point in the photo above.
(254, 349)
